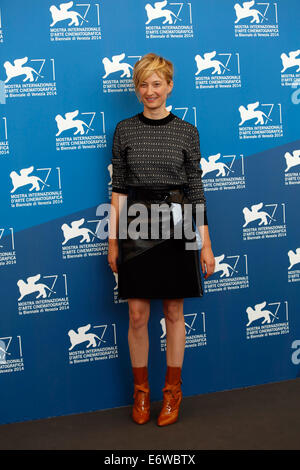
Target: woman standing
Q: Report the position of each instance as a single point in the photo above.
(156, 158)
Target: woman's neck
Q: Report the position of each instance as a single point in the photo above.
(155, 113)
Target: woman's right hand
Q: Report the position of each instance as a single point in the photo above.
(113, 253)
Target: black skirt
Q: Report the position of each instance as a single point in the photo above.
(159, 267)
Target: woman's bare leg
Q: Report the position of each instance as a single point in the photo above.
(175, 327)
(138, 338)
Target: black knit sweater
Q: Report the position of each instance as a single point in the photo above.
(157, 153)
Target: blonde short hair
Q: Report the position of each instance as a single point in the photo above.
(149, 64)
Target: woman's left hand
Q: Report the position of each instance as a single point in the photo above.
(207, 260)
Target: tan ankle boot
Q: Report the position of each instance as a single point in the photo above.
(141, 406)
(172, 397)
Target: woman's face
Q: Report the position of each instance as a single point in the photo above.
(153, 91)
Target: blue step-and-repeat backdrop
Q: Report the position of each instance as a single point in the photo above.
(66, 80)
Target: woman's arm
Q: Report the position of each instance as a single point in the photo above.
(119, 187)
(118, 197)
(196, 196)
(207, 258)
(204, 234)
(116, 205)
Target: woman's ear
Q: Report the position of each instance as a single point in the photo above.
(170, 88)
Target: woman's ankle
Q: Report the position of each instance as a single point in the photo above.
(140, 375)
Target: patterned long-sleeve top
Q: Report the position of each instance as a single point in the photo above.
(157, 152)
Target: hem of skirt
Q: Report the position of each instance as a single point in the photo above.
(160, 297)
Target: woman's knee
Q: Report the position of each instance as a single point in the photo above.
(173, 310)
(138, 314)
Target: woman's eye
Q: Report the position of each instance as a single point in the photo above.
(143, 85)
